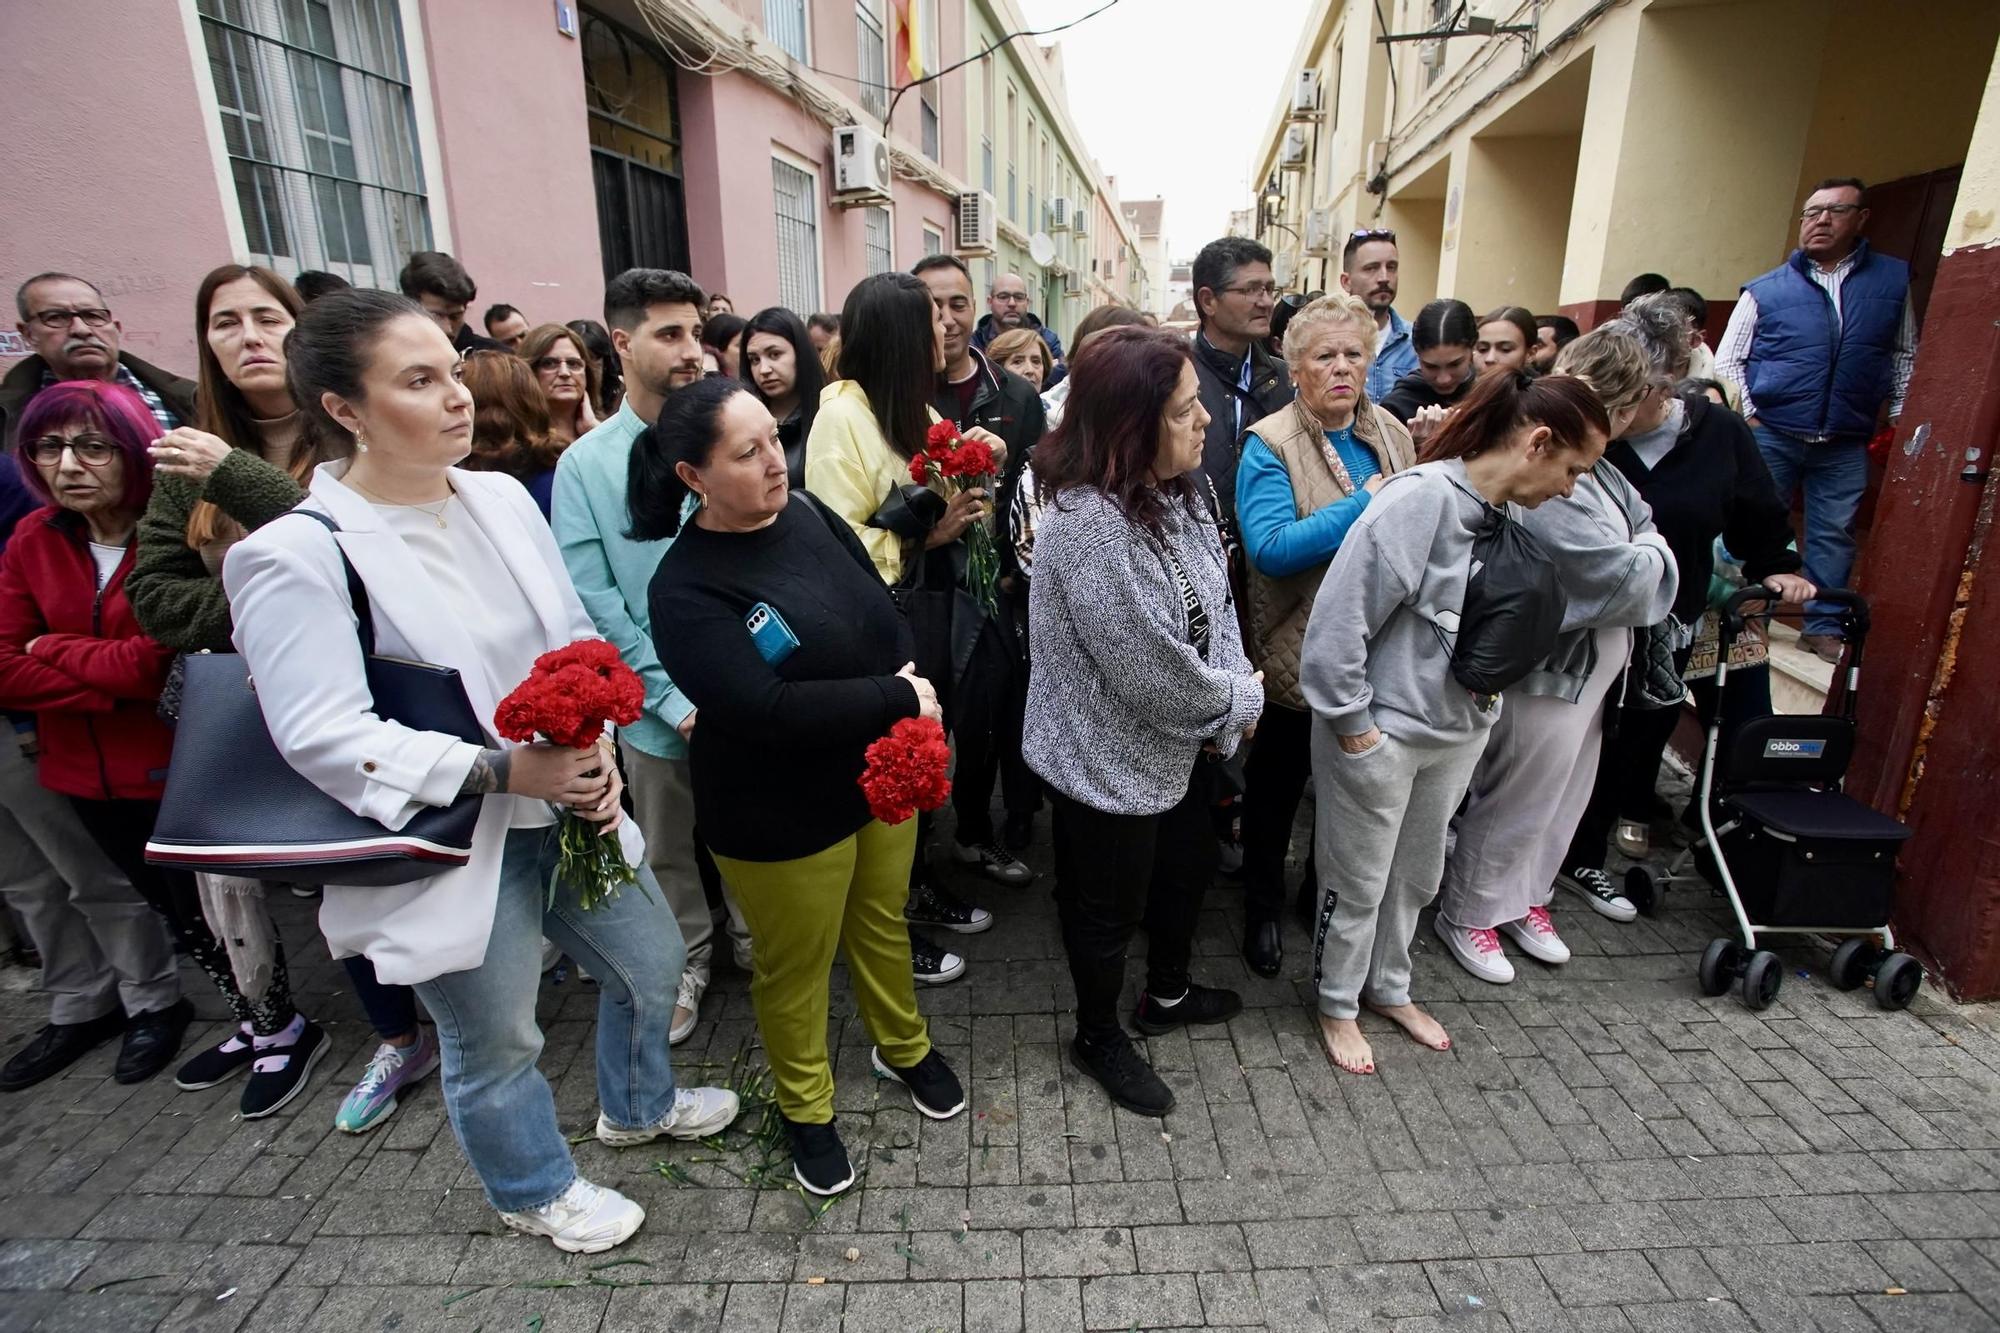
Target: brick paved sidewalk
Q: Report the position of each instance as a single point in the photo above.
(1603, 1149)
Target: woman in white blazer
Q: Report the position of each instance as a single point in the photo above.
(461, 571)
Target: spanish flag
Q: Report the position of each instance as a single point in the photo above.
(910, 38)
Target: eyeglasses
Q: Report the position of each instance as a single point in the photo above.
(1812, 211)
(56, 320)
(90, 450)
(1372, 234)
(1011, 296)
(571, 364)
(1255, 289)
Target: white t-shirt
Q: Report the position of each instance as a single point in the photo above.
(1382, 334)
(472, 578)
(107, 560)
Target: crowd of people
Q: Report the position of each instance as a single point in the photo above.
(1230, 566)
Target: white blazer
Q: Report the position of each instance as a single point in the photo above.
(296, 630)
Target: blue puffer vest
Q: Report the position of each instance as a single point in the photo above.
(1812, 374)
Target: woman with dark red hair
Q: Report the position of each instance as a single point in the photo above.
(1140, 686)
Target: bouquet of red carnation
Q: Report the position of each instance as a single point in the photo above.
(906, 770)
(959, 464)
(568, 697)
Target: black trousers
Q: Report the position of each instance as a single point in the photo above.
(1114, 872)
(1274, 782)
(985, 717)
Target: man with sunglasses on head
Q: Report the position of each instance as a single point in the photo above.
(1814, 349)
(75, 337)
(1369, 269)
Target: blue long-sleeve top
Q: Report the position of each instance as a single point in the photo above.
(1277, 541)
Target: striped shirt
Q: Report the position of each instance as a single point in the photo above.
(154, 403)
(1732, 355)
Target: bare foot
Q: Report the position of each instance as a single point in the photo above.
(1345, 1046)
(1423, 1029)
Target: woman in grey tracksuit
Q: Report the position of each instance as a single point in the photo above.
(1395, 736)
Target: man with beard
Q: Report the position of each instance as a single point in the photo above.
(655, 320)
(1368, 269)
(1007, 308)
(75, 337)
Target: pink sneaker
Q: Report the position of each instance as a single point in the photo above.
(1478, 951)
(1536, 934)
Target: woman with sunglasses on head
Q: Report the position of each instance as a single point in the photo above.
(568, 374)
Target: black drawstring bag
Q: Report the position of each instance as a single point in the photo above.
(1513, 610)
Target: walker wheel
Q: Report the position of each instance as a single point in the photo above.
(1852, 962)
(1897, 978)
(1721, 961)
(1642, 890)
(1762, 976)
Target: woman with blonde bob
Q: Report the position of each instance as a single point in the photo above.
(1307, 472)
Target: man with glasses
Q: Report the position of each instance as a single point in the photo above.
(1241, 382)
(1369, 269)
(1007, 309)
(75, 337)
(1814, 349)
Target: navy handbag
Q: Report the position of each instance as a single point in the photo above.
(234, 806)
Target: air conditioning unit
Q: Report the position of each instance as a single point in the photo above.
(860, 164)
(1073, 283)
(1305, 93)
(1058, 213)
(1293, 154)
(978, 223)
(1319, 231)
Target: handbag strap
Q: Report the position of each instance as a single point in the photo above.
(357, 591)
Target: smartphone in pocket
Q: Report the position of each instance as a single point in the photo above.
(768, 630)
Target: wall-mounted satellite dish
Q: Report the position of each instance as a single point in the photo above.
(1041, 247)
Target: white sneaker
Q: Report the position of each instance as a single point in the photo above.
(688, 1002)
(1536, 934)
(583, 1219)
(696, 1114)
(1478, 951)
(1594, 887)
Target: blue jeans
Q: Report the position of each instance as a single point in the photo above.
(500, 1105)
(1833, 474)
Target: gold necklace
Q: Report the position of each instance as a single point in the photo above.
(435, 515)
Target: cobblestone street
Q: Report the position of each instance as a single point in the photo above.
(1602, 1150)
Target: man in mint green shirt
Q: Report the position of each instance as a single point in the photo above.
(655, 320)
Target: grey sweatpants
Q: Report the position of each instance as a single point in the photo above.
(102, 945)
(1381, 822)
(663, 804)
(1527, 795)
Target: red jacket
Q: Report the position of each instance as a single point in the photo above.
(93, 680)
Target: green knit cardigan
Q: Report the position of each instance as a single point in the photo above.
(178, 602)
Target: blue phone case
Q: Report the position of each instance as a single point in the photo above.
(768, 630)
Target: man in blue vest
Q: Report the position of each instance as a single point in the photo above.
(1816, 347)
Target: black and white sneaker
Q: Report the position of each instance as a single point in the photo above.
(993, 861)
(1200, 1005)
(930, 905)
(819, 1158)
(1594, 887)
(280, 1073)
(934, 1089)
(933, 964)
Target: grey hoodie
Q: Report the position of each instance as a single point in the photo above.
(1377, 650)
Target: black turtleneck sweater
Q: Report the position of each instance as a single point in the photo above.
(1414, 391)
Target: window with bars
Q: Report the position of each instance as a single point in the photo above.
(796, 210)
(875, 248)
(785, 24)
(873, 67)
(320, 129)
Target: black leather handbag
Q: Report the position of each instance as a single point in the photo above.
(234, 806)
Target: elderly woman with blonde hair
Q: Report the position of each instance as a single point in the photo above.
(1307, 472)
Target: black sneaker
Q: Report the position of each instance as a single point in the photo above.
(1201, 1005)
(933, 1087)
(819, 1158)
(993, 861)
(217, 1064)
(933, 964)
(1124, 1074)
(930, 905)
(1017, 832)
(151, 1040)
(280, 1073)
(55, 1048)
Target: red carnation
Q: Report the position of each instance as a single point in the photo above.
(970, 459)
(942, 437)
(906, 770)
(920, 469)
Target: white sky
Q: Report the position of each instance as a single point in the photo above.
(1172, 95)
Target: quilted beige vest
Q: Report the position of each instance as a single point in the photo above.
(1279, 607)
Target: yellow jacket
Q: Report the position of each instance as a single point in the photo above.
(851, 469)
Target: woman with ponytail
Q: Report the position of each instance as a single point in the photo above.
(1395, 737)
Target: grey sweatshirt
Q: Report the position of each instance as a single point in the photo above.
(1617, 571)
(1119, 701)
(1377, 650)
